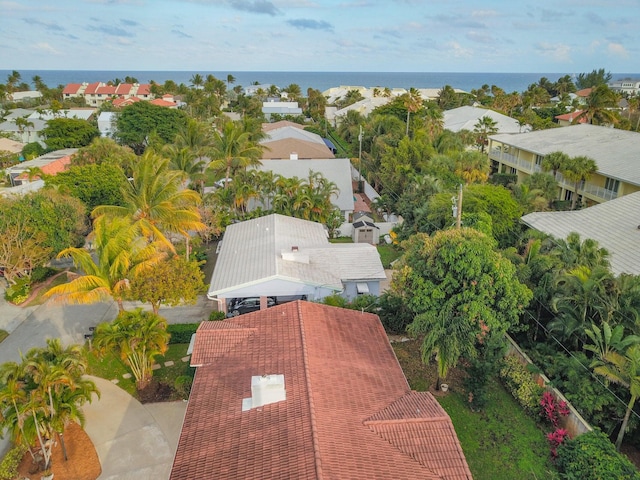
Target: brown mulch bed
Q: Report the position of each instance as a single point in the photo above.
(82, 463)
(156, 392)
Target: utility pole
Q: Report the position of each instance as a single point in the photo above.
(459, 209)
(360, 161)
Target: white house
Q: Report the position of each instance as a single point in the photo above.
(279, 256)
(465, 118)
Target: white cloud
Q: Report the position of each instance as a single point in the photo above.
(558, 52)
(458, 50)
(618, 49)
(46, 48)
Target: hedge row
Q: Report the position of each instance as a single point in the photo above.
(181, 332)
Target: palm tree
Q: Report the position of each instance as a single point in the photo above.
(197, 81)
(573, 252)
(120, 252)
(449, 339)
(230, 79)
(233, 149)
(582, 298)
(412, 102)
(578, 170)
(293, 91)
(13, 396)
(623, 369)
(155, 202)
(599, 105)
(137, 337)
(484, 127)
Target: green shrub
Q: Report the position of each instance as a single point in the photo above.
(10, 462)
(521, 384)
(592, 456)
(394, 313)
(40, 274)
(217, 315)
(182, 385)
(181, 332)
(19, 292)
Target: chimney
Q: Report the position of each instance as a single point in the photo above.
(293, 156)
(265, 389)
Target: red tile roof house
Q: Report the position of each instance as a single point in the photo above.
(308, 391)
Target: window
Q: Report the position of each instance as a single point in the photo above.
(513, 171)
(611, 184)
(539, 160)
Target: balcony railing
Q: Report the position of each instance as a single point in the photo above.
(600, 193)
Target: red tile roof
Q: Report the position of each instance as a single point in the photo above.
(349, 412)
(71, 88)
(123, 89)
(52, 168)
(106, 90)
(144, 89)
(584, 92)
(92, 88)
(163, 103)
(571, 117)
(123, 102)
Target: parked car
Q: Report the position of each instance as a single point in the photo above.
(241, 306)
(221, 183)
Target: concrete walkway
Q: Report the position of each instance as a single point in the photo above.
(133, 441)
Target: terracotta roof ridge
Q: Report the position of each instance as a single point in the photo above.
(312, 409)
(392, 421)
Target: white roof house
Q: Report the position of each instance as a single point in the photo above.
(336, 170)
(615, 225)
(282, 256)
(106, 123)
(465, 118)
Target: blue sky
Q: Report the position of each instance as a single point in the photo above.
(321, 35)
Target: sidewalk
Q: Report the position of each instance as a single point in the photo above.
(132, 440)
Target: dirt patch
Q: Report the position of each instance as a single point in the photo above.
(156, 392)
(82, 463)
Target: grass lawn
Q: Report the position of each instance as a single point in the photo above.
(388, 253)
(500, 443)
(341, 240)
(42, 289)
(111, 367)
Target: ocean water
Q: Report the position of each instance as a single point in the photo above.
(510, 82)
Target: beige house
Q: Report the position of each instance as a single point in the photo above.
(616, 153)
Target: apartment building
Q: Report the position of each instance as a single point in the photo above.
(95, 94)
(616, 153)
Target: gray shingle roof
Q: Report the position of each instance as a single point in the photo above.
(616, 152)
(261, 249)
(613, 224)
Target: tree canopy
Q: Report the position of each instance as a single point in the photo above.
(69, 133)
(460, 290)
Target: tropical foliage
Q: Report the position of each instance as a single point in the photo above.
(137, 337)
(42, 394)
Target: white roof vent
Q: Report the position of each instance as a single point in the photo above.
(293, 156)
(265, 389)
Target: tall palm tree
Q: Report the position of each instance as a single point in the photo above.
(137, 337)
(230, 79)
(233, 149)
(120, 252)
(412, 102)
(155, 202)
(578, 170)
(483, 128)
(197, 81)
